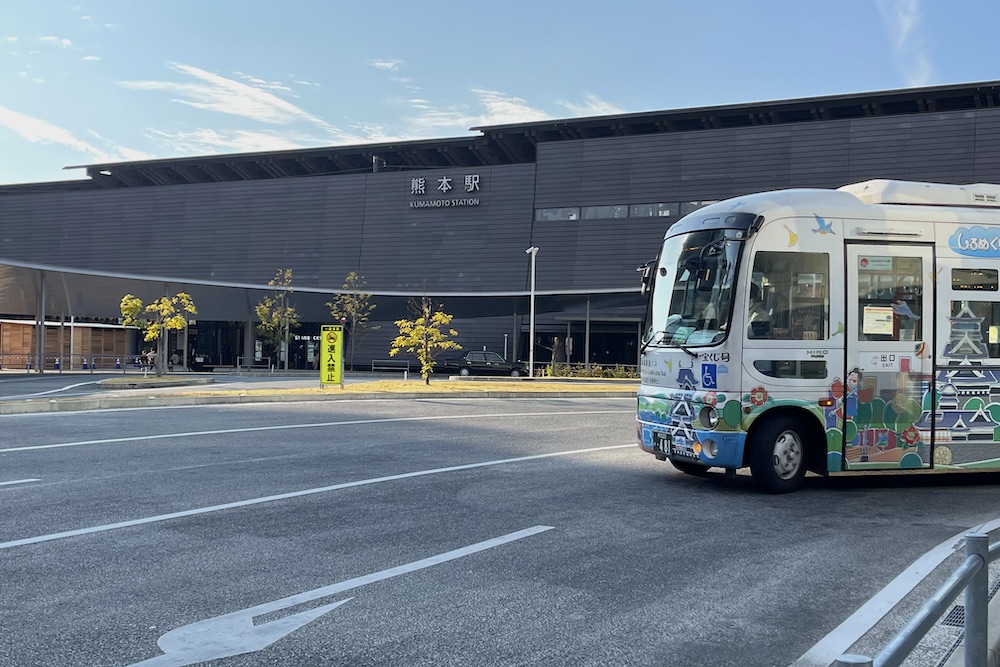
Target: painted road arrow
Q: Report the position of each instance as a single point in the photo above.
(235, 633)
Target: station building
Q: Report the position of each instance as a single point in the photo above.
(449, 219)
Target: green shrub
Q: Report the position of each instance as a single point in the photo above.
(594, 371)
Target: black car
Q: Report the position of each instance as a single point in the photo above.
(482, 363)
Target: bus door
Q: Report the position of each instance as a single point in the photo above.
(890, 356)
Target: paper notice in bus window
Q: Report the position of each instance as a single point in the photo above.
(877, 321)
(994, 334)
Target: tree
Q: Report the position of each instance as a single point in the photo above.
(168, 313)
(353, 308)
(558, 350)
(425, 336)
(276, 316)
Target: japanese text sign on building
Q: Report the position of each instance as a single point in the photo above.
(421, 186)
(331, 356)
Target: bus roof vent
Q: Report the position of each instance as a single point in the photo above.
(884, 191)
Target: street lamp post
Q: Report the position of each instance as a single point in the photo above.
(533, 250)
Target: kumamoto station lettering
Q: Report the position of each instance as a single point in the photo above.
(444, 185)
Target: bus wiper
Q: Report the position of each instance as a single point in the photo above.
(652, 339)
(693, 354)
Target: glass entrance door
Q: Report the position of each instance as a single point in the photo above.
(890, 338)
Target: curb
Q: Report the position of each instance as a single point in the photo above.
(163, 400)
(153, 384)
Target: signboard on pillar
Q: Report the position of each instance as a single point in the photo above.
(331, 355)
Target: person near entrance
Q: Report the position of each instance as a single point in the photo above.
(759, 320)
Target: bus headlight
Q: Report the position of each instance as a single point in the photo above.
(710, 448)
(708, 417)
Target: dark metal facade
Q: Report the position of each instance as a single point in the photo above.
(221, 226)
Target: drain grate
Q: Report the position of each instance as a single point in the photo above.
(955, 617)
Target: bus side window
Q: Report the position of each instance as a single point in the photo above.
(788, 297)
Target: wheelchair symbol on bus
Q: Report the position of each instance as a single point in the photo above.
(708, 376)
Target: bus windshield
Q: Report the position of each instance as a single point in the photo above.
(692, 294)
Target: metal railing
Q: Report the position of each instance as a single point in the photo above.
(391, 365)
(72, 362)
(972, 576)
(253, 364)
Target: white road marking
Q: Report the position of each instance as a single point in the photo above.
(826, 651)
(20, 481)
(235, 633)
(256, 429)
(293, 494)
(46, 393)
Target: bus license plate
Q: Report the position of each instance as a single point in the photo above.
(661, 442)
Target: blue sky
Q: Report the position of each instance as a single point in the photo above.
(93, 82)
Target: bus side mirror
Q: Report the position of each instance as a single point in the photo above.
(646, 280)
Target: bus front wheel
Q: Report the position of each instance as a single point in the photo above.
(778, 456)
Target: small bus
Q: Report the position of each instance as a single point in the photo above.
(831, 331)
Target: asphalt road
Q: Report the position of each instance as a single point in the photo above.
(426, 532)
(23, 386)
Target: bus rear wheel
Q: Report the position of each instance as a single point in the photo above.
(778, 455)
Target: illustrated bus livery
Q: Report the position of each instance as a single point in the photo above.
(826, 330)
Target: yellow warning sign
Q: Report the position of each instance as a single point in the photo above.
(331, 354)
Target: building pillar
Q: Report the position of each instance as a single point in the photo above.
(248, 343)
(40, 323)
(516, 336)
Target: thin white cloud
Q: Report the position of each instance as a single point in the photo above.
(262, 84)
(502, 109)
(92, 59)
(39, 131)
(592, 106)
(209, 141)
(213, 92)
(390, 65)
(10, 39)
(61, 41)
(121, 152)
(902, 19)
(495, 108)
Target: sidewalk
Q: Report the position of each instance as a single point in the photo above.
(177, 389)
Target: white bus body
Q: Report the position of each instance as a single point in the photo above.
(875, 343)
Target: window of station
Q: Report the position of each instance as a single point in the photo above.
(692, 206)
(566, 213)
(788, 298)
(605, 212)
(974, 331)
(658, 210)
